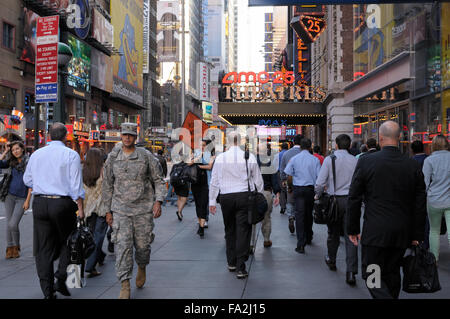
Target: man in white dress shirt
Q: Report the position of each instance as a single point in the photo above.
(54, 174)
(229, 178)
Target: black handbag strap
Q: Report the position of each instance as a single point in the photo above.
(246, 156)
(333, 166)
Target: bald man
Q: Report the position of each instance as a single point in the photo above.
(393, 188)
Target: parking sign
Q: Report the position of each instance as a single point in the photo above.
(46, 81)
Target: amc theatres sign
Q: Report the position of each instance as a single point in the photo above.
(265, 87)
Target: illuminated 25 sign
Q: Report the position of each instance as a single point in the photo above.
(308, 28)
(262, 77)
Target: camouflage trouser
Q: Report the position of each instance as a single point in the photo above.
(129, 231)
(266, 225)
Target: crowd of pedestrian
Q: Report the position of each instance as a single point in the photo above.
(404, 200)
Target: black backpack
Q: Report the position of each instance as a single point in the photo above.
(177, 175)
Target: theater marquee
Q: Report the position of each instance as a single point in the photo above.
(266, 87)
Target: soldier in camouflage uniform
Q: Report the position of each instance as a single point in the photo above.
(127, 191)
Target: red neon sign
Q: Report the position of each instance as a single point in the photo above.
(262, 77)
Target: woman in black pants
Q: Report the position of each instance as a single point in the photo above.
(200, 190)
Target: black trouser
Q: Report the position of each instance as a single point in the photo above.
(334, 232)
(201, 199)
(304, 204)
(389, 260)
(237, 229)
(54, 220)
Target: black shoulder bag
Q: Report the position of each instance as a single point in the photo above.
(325, 208)
(420, 271)
(257, 204)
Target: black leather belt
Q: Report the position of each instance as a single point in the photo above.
(52, 196)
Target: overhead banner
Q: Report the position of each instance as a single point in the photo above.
(203, 85)
(146, 33)
(127, 20)
(29, 36)
(168, 31)
(46, 78)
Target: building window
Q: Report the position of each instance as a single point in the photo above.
(7, 97)
(8, 36)
(80, 108)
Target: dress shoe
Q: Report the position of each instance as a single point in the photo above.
(51, 296)
(300, 249)
(201, 231)
(180, 216)
(241, 274)
(231, 268)
(291, 225)
(125, 290)
(61, 287)
(250, 252)
(93, 273)
(282, 210)
(309, 242)
(267, 243)
(331, 264)
(140, 277)
(350, 278)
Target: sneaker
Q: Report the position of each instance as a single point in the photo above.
(231, 268)
(241, 274)
(291, 225)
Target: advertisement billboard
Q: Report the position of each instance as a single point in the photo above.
(168, 35)
(80, 65)
(445, 46)
(207, 112)
(127, 20)
(102, 73)
(29, 36)
(102, 30)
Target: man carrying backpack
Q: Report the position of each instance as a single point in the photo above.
(129, 174)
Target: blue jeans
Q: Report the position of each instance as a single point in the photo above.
(170, 196)
(99, 227)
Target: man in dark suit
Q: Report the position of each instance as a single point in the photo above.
(393, 189)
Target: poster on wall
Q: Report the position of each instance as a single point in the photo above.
(79, 67)
(207, 112)
(102, 73)
(167, 34)
(127, 20)
(29, 36)
(102, 30)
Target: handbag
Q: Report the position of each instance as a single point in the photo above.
(420, 274)
(257, 203)
(190, 174)
(4, 184)
(81, 243)
(326, 208)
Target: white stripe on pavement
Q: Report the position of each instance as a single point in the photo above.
(2, 218)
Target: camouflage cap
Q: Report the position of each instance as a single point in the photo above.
(129, 128)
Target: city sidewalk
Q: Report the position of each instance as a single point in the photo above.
(184, 266)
